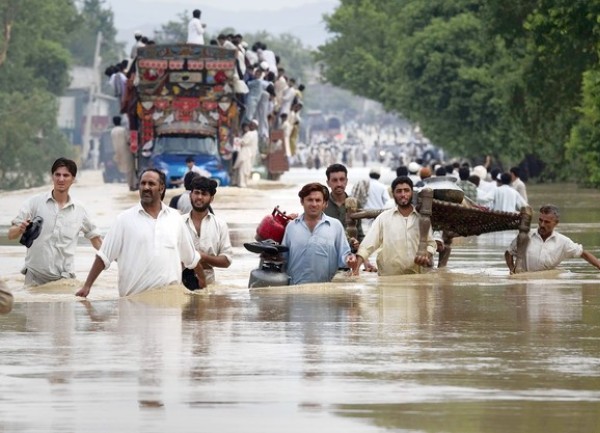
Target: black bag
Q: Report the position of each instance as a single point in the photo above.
(189, 280)
(32, 232)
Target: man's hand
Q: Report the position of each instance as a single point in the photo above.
(352, 262)
(354, 244)
(425, 260)
(369, 267)
(439, 246)
(83, 292)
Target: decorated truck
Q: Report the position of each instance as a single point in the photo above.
(185, 108)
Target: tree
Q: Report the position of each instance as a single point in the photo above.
(173, 32)
(479, 76)
(33, 73)
(93, 17)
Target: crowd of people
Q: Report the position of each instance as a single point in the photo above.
(158, 245)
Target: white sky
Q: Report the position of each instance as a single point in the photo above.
(234, 5)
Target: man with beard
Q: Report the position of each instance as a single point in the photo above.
(149, 241)
(396, 232)
(317, 243)
(210, 234)
(547, 248)
(337, 181)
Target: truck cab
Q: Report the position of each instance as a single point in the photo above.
(171, 151)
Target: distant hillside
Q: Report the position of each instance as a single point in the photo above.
(304, 22)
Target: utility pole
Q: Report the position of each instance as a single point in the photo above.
(93, 91)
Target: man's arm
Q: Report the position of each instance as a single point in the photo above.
(17, 230)
(510, 261)
(96, 269)
(220, 261)
(591, 259)
(96, 242)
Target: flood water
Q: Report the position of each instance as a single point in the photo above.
(466, 349)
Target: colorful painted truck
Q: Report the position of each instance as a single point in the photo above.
(185, 107)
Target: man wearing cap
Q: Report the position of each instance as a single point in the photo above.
(196, 29)
(209, 232)
(413, 171)
(547, 248)
(485, 189)
(51, 256)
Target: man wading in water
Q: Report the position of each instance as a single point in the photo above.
(149, 241)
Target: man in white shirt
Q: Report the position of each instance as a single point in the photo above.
(506, 198)
(149, 241)
(248, 150)
(517, 183)
(209, 232)
(51, 256)
(396, 232)
(196, 29)
(547, 248)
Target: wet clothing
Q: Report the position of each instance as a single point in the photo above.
(315, 256)
(339, 213)
(51, 257)
(398, 237)
(149, 251)
(213, 240)
(507, 199)
(546, 255)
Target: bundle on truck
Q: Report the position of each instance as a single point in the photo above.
(185, 107)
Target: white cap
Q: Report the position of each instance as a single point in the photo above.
(137, 33)
(264, 65)
(414, 167)
(376, 170)
(481, 172)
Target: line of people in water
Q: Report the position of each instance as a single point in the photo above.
(152, 242)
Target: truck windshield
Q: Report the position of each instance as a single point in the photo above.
(175, 145)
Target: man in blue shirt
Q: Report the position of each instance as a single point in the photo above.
(317, 243)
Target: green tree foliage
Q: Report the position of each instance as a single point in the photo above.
(481, 77)
(95, 17)
(174, 32)
(34, 70)
(583, 148)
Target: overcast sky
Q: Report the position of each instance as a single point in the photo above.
(305, 19)
(234, 5)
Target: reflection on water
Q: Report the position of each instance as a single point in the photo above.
(468, 349)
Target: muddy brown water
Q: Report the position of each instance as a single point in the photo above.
(466, 349)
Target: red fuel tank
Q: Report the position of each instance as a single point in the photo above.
(273, 226)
